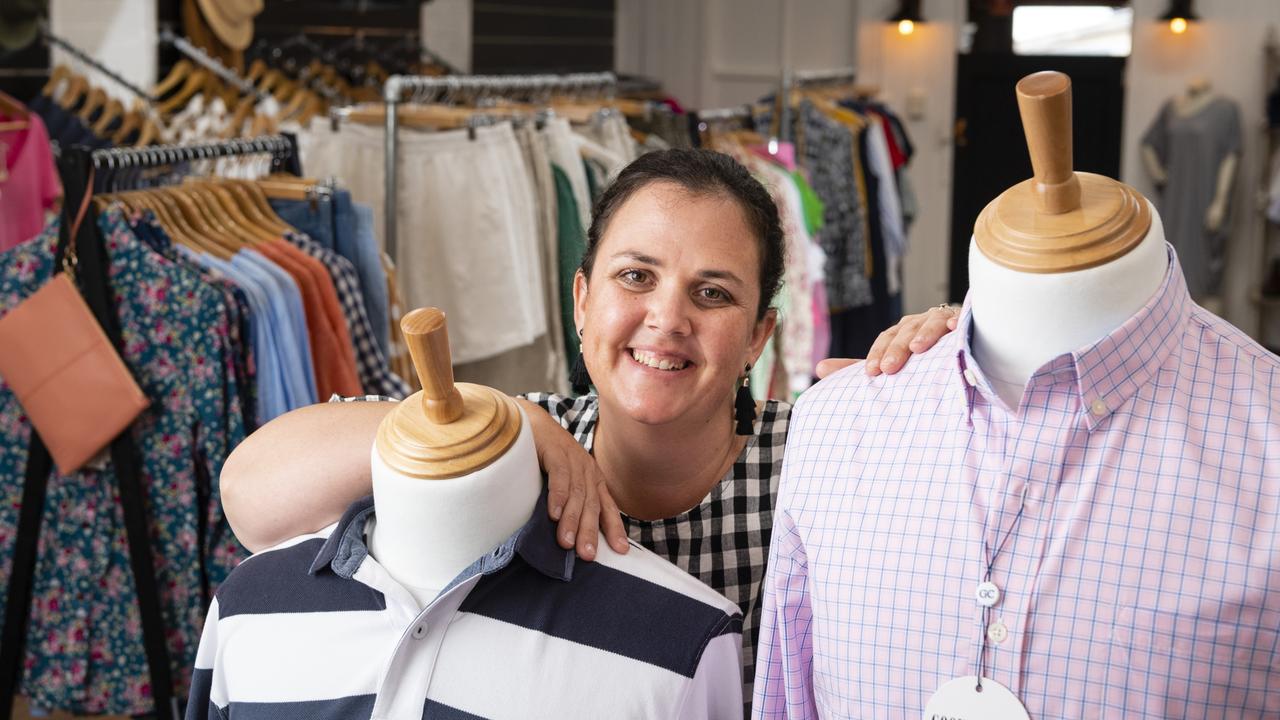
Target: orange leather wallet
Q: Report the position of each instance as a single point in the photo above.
(66, 375)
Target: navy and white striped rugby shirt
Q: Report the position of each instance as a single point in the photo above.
(315, 628)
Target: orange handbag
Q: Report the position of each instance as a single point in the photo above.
(65, 372)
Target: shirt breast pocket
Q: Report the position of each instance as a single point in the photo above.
(1179, 664)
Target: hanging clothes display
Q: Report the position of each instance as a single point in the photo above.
(229, 317)
(513, 186)
(1191, 145)
(849, 193)
(84, 653)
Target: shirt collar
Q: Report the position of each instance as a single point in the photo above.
(535, 543)
(1111, 370)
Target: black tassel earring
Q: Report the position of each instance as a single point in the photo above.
(744, 407)
(579, 378)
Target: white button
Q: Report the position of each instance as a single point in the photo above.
(997, 632)
(1098, 407)
(971, 377)
(987, 594)
(420, 632)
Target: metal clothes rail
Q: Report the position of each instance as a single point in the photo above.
(279, 146)
(202, 58)
(87, 59)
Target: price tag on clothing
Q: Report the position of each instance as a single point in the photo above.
(966, 699)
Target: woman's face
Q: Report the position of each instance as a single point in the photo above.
(669, 314)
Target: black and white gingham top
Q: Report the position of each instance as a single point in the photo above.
(724, 541)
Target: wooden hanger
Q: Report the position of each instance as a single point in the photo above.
(195, 82)
(576, 111)
(239, 191)
(239, 115)
(256, 70)
(272, 80)
(198, 218)
(60, 74)
(258, 198)
(263, 124)
(171, 221)
(210, 217)
(301, 99)
(76, 88)
(131, 121)
(630, 107)
(235, 212)
(1060, 220)
(110, 112)
(181, 70)
(149, 134)
(93, 101)
(317, 106)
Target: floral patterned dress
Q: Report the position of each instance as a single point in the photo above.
(84, 648)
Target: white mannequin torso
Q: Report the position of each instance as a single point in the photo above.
(1023, 320)
(426, 531)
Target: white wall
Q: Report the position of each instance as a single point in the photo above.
(121, 34)
(1227, 47)
(717, 53)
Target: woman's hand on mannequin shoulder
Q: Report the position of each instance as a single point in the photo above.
(891, 350)
(577, 496)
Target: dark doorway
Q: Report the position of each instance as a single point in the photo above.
(991, 150)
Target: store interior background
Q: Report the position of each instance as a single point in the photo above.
(716, 53)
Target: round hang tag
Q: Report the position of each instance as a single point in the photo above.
(960, 699)
(987, 594)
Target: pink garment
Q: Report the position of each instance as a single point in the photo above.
(821, 323)
(31, 185)
(1133, 507)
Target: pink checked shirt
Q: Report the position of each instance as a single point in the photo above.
(1143, 580)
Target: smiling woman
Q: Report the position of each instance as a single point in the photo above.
(684, 256)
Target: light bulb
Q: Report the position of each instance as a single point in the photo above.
(1178, 25)
(906, 27)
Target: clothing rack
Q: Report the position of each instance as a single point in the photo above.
(425, 88)
(87, 59)
(283, 149)
(279, 146)
(202, 58)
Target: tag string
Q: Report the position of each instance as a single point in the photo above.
(990, 560)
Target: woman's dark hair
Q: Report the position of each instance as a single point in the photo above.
(701, 172)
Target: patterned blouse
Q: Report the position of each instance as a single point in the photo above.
(724, 540)
(84, 649)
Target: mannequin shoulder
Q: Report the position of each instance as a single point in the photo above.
(925, 374)
(653, 579)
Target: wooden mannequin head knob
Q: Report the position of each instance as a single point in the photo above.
(1044, 99)
(446, 430)
(428, 339)
(1059, 220)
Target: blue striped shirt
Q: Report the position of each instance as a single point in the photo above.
(317, 629)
